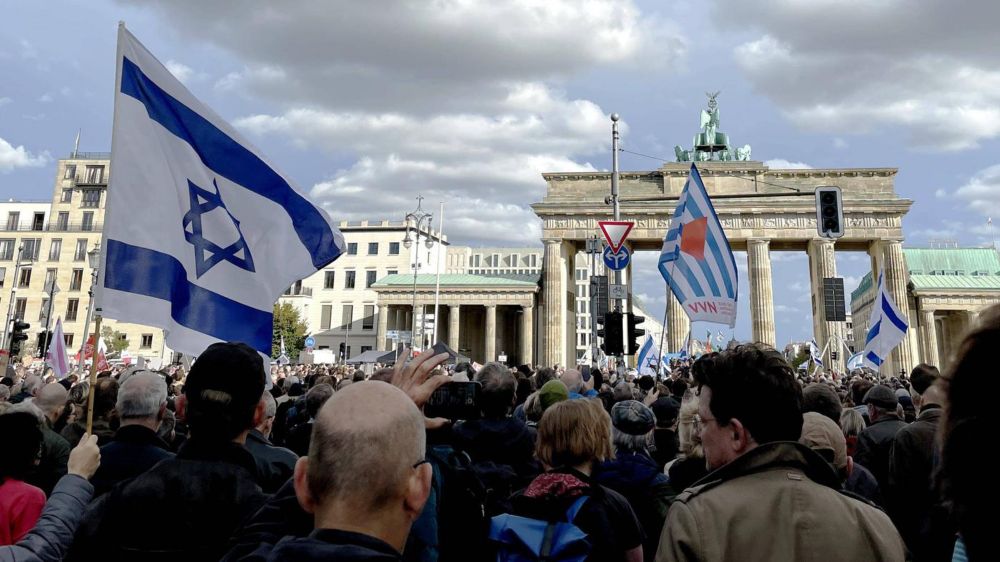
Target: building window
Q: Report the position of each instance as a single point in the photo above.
(24, 280)
(91, 198)
(147, 341)
(326, 311)
(3, 275)
(62, 223)
(328, 279)
(373, 248)
(42, 310)
(368, 322)
(95, 174)
(72, 307)
(55, 248)
(70, 172)
(50, 278)
(392, 272)
(13, 218)
(348, 279)
(20, 304)
(7, 249)
(88, 221)
(68, 338)
(76, 280)
(352, 248)
(31, 248)
(38, 223)
(348, 316)
(370, 278)
(81, 250)
(365, 348)
(393, 248)
(67, 196)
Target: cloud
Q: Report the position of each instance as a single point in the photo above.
(12, 157)
(782, 164)
(183, 72)
(839, 143)
(982, 192)
(5, 100)
(840, 69)
(45, 98)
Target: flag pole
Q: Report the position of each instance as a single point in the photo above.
(93, 375)
(437, 264)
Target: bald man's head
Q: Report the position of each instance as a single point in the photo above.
(365, 442)
(51, 399)
(573, 380)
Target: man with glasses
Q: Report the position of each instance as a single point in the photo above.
(766, 497)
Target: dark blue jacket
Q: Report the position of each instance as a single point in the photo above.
(325, 544)
(275, 465)
(133, 451)
(637, 477)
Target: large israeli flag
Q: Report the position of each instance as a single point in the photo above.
(888, 328)
(696, 260)
(201, 234)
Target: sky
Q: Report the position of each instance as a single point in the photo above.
(469, 102)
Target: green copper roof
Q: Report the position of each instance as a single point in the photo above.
(454, 280)
(946, 268)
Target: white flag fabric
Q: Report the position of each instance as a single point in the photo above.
(855, 362)
(201, 233)
(57, 357)
(696, 260)
(815, 353)
(647, 363)
(888, 328)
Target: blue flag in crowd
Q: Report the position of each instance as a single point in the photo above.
(696, 260)
(815, 353)
(888, 327)
(202, 234)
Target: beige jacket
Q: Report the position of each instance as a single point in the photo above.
(782, 502)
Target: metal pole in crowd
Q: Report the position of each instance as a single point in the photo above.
(437, 284)
(13, 293)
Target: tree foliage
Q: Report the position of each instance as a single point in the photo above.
(288, 322)
(115, 341)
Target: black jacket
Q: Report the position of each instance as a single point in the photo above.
(506, 441)
(637, 477)
(325, 544)
(875, 445)
(274, 464)
(134, 450)
(183, 509)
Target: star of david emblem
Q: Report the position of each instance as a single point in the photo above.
(207, 253)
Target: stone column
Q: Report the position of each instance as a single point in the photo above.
(677, 324)
(491, 333)
(527, 334)
(383, 325)
(453, 323)
(761, 294)
(554, 287)
(400, 318)
(929, 329)
(822, 264)
(896, 278)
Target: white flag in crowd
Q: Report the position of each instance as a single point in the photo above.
(888, 327)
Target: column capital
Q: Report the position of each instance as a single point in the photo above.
(758, 241)
(527, 306)
(552, 241)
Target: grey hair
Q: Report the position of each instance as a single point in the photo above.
(32, 383)
(626, 443)
(141, 395)
(270, 405)
(851, 422)
(29, 408)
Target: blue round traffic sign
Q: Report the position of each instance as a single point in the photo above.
(616, 261)
(310, 342)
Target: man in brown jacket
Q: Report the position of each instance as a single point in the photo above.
(767, 497)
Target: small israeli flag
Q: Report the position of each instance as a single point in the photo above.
(888, 328)
(815, 353)
(646, 363)
(201, 234)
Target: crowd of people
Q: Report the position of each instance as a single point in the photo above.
(734, 456)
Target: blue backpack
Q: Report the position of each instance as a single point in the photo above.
(522, 539)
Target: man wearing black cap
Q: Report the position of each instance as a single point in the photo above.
(875, 442)
(665, 435)
(200, 497)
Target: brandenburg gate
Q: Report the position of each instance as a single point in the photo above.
(761, 210)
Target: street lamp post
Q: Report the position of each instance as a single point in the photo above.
(417, 219)
(94, 260)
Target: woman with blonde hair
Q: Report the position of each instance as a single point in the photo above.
(573, 436)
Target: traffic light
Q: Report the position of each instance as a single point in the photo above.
(634, 333)
(44, 338)
(17, 336)
(829, 212)
(611, 332)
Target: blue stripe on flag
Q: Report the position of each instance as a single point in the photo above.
(154, 274)
(682, 266)
(713, 245)
(874, 358)
(891, 315)
(233, 161)
(670, 278)
(873, 331)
